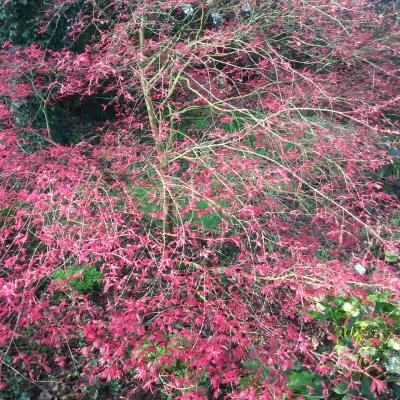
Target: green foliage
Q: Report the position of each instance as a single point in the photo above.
(80, 277)
(208, 221)
(146, 205)
(154, 351)
(238, 122)
(256, 372)
(301, 382)
(391, 256)
(368, 332)
(17, 21)
(101, 390)
(392, 169)
(390, 172)
(18, 386)
(308, 385)
(304, 383)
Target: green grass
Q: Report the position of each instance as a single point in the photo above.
(81, 278)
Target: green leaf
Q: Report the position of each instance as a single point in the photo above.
(85, 282)
(340, 388)
(385, 171)
(384, 307)
(300, 379)
(202, 204)
(391, 256)
(261, 152)
(243, 382)
(251, 364)
(146, 205)
(365, 389)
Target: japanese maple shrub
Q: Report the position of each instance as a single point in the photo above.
(224, 223)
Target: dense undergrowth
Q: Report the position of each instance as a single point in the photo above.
(200, 200)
